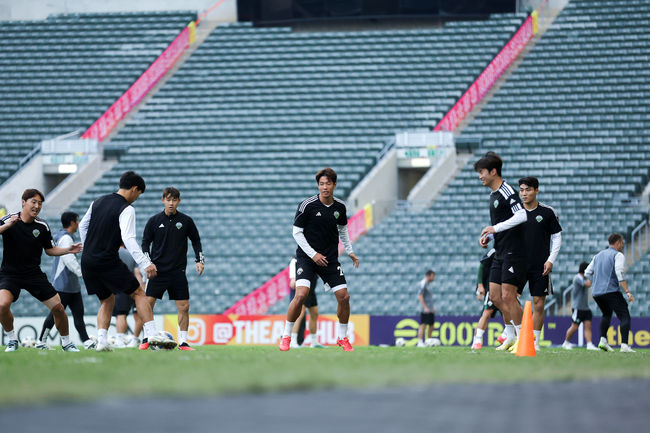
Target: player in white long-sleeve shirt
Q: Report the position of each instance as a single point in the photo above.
(319, 223)
(109, 222)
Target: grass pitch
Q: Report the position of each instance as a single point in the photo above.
(30, 376)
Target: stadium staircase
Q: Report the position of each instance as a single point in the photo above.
(574, 114)
(248, 119)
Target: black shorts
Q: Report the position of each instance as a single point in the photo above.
(105, 282)
(427, 319)
(123, 304)
(332, 274)
(174, 283)
(579, 316)
(37, 285)
(538, 284)
(508, 270)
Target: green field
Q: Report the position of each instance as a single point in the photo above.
(30, 375)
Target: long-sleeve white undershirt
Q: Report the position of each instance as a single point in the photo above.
(556, 243)
(519, 217)
(345, 239)
(301, 240)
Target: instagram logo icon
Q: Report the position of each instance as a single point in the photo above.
(196, 331)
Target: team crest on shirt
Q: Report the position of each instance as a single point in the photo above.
(539, 218)
(179, 225)
(336, 214)
(35, 232)
(299, 271)
(496, 203)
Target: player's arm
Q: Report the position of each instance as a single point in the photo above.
(195, 238)
(138, 275)
(69, 260)
(480, 289)
(519, 217)
(589, 272)
(556, 244)
(85, 223)
(147, 236)
(127, 229)
(298, 234)
(424, 305)
(347, 244)
(292, 274)
(8, 221)
(52, 250)
(619, 268)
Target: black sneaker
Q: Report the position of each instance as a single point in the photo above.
(12, 346)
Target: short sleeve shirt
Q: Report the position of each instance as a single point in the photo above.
(23, 246)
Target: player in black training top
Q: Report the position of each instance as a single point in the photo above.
(24, 237)
(319, 223)
(169, 231)
(108, 223)
(543, 238)
(508, 271)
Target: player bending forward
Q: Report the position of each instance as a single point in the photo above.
(319, 223)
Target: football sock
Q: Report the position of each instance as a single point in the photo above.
(288, 326)
(537, 334)
(603, 340)
(517, 330)
(294, 337)
(182, 337)
(102, 336)
(343, 330)
(11, 335)
(44, 334)
(149, 329)
(510, 332)
(65, 340)
(119, 338)
(479, 334)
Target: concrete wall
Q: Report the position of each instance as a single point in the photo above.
(40, 9)
(379, 186)
(435, 180)
(30, 176)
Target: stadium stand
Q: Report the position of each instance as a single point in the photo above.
(244, 124)
(60, 74)
(574, 114)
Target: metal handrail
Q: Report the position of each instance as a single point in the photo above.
(25, 159)
(549, 304)
(638, 245)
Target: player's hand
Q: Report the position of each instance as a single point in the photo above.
(355, 260)
(200, 267)
(151, 271)
(489, 230)
(483, 241)
(480, 292)
(630, 297)
(320, 259)
(75, 248)
(548, 267)
(12, 220)
(426, 310)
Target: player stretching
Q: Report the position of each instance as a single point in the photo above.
(543, 238)
(109, 222)
(508, 271)
(24, 237)
(319, 222)
(169, 231)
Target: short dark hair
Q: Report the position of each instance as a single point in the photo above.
(430, 272)
(327, 172)
(613, 238)
(171, 191)
(529, 181)
(130, 179)
(68, 218)
(583, 267)
(489, 161)
(32, 192)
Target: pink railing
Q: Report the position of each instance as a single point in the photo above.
(275, 289)
(482, 85)
(105, 124)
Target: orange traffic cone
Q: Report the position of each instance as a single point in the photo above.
(526, 344)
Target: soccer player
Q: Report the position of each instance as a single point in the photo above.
(311, 304)
(607, 273)
(489, 309)
(124, 304)
(169, 231)
(108, 223)
(543, 238)
(580, 312)
(24, 237)
(508, 271)
(319, 223)
(66, 273)
(428, 312)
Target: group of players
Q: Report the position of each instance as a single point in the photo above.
(108, 224)
(526, 235)
(527, 240)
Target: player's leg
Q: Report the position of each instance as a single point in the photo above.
(538, 317)
(619, 305)
(120, 327)
(296, 328)
(48, 324)
(183, 307)
(477, 343)
(75, 303)
(607, 312)
(421, 330)
(104, 314)
(293, 313)
(572, 329)
(60, 321)
(430, 327)
(587, 330)
(343, 314)
(313, 328)
(7, 319)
